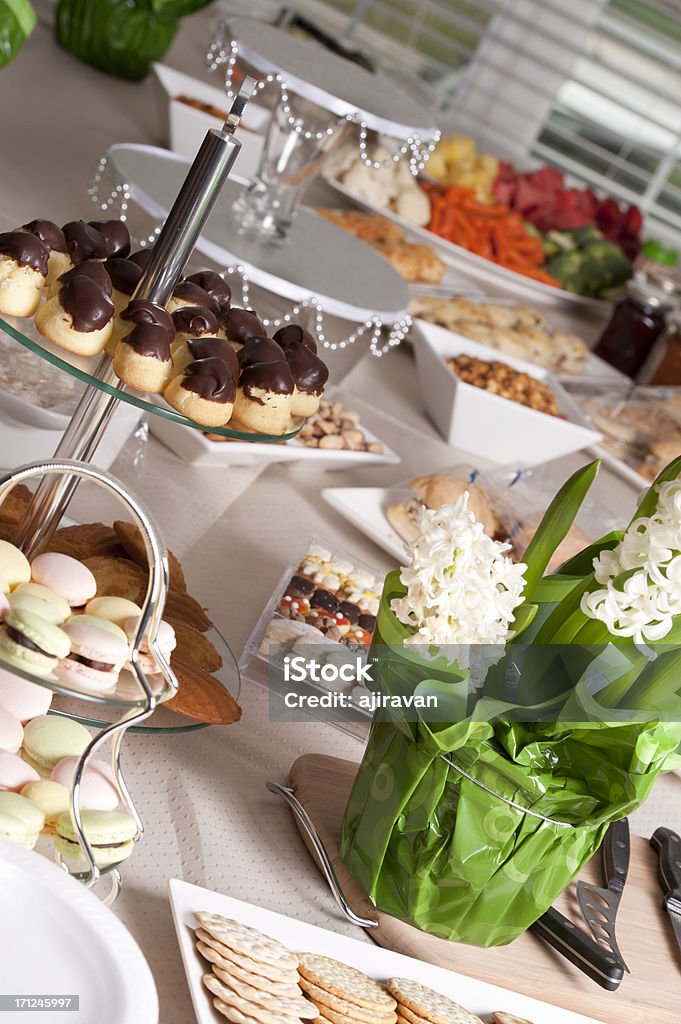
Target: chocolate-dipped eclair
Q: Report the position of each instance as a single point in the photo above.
(215, 285)
(310, 375)
(79, 318)
(141, 258)
(187, 293)
(139, 311)
(259, 350)
(142, 358)
(53, 237)
(116, 236)
(204, 392)
(24, 261)
(193, 322)
(206, 348)
(263, 398)
(84, 242)
(125, 276)
(237, 325)
(294, 334)
(94, 269)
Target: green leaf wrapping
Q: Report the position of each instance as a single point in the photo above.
(17, 21)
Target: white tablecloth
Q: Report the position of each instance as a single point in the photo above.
(208, 817)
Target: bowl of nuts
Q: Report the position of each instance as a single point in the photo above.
(504, 411)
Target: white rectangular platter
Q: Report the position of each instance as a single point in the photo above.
(476, 996)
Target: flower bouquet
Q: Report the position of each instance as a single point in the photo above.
(547, 707)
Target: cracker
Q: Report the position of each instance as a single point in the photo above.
(246, 963)
(118, 577)
(187, 609)
(410, 1016)
(345, 982)
(237, 1017)
(423, 1002)
(507, 1018)
(247, 1011)
(202, 697)
(328, 1001)
(329, 1016)
(294, 1006)
(193, 647)
(130, 537)
(259, 981)
(247, 941)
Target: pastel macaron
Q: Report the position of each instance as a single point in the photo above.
(51, 797)
(110, 834)
(54, 607)
(98, 789)
(11, 731)
(165, 638)
(23, 699)
(97, 655)
(50, 738)
(114, 609)
(4, 604)
(15, 773)
(20, 820)
(32, 643)
(66, 576)
(14, 566)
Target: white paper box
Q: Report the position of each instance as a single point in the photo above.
(485, 424)
(187, 126)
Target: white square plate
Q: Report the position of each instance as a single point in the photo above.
(476, 996)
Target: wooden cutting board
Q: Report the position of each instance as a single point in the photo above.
(651, 994)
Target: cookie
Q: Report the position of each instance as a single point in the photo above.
(246, 1011)
(279, 988)
(247, 941)
(184, 607)
(130, 537)
(86, 540)
(276, 975)
(202, 696)
(194, 648)
(296, 1006)
(416, 1000)
(328, 1004)
(15, 504)
(118, 577)
(345, 982)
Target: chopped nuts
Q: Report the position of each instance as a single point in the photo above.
(501, 379)
(331, 441)
(335, 427)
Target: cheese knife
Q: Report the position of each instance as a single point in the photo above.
(580, 949)
(599, 905)
(667, 845)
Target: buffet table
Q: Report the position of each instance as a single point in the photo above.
(209, 819)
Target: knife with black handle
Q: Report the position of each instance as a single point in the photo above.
(580, 949)
(667, 845)
(598, 904)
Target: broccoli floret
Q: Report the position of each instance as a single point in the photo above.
(567, 268)
(583, 236)
(557, 242)
(605, 266)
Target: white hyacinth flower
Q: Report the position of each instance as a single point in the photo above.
(642, 606)
(461, 586)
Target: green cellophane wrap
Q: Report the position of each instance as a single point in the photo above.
(470, 828)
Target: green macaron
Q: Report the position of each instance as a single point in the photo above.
(50, 737)
(20, 820)
(61, 608)
(109, 833)
(32, 643)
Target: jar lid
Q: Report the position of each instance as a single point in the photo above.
(646, 294)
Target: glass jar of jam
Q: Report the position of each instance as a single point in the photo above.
(663, 366)
(637, 321)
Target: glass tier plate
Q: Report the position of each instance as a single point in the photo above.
(109, 706)
(83, 369)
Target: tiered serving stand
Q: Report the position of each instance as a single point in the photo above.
(136, 697)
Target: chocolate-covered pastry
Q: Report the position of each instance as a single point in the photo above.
(301, 586)
(48, 232)
(116, 236)
(263, 398)
(142, 358)
(84, 242)
(351, 611)
(141, 257)
(125, 276)
(325, 601)
(79, 318)
(204, 392)
(215, 348)
(194, 321)
(259, 350)
(310, 375)
(139, 311)
(24, 261)
(94, 269)
(294, 334)
(187, 293)
(215, 285)
(238, 325)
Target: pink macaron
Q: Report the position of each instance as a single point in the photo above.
(15, 773)
(23, 699)
(98, 789)
(166, 640)
(11, 732)
(97, 656)
(66, 576)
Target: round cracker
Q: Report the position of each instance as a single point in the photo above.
(249, 1012)
(294, 1007)
(410, 1016)
(499, 1017)
(329, 1016)
(258, 981)
(345, 982)
(423, 1002)
(273, 974)
(247, 941)
(328, 1001)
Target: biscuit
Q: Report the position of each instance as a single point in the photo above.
(130, 537)
(295, 1006)
(8, 531)
(118, 577)
(329, 1016)
(507, 1018)
(15, 503)
(288, 975)
(247, 941)
(345, 982)
(338, 1010)
(418, 1001)
(289, 989)
(201, 696)
(237, 1017)
(193, 647)
(86, 540)
(185, 608)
